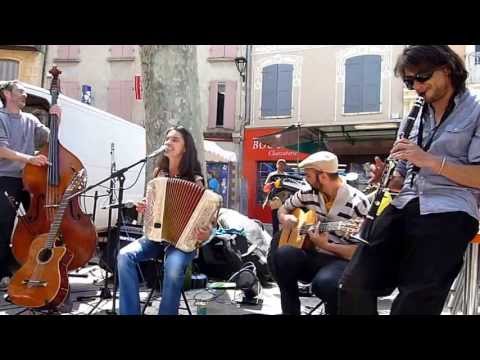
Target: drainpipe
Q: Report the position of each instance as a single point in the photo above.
(248, 82)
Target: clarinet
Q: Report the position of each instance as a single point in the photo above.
(388, 170)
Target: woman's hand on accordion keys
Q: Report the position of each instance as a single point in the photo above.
(140, 206)
(203, 233)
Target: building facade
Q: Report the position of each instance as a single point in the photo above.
(102, 75)
(23, 62)
(106, 75)
(336, 97)
(222, 94)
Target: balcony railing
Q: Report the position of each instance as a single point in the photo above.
(473, 67)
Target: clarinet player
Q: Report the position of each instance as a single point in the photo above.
(418, 242)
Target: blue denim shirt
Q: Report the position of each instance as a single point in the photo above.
(458, 139)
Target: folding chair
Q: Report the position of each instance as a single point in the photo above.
(158, 263)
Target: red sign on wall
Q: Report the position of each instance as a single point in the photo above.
(138, 87)
(254, 152)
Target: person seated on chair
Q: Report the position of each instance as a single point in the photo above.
(332, 199)
(180, 161)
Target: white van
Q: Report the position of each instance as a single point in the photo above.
(89, 133)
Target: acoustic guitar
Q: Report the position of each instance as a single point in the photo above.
(42, 282)
(297, 235)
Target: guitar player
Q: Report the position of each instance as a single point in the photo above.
(332, 199)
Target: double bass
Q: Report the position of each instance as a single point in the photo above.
(47, 185)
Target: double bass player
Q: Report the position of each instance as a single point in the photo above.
(20, 134)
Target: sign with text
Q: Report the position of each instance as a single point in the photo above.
(138, 87)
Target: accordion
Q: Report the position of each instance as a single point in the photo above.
(175, 208)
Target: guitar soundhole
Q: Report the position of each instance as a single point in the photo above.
(44, 255)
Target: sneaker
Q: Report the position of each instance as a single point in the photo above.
(4, 282)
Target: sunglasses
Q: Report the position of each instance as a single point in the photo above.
(420, 77)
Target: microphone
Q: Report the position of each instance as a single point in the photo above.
(159, 151)
(127, 204)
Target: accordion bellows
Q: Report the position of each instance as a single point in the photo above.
(175, 207)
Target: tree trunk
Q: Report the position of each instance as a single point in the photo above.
(171, 95)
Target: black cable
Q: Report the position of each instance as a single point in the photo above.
(138, 176)
(92, 196)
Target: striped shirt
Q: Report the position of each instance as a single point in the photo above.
(349, 203)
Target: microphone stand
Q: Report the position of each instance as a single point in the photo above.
(119, 174)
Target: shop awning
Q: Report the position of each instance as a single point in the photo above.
(214, 153)
(351, 139)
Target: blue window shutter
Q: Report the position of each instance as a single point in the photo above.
(371, 83)
(477, 48)
(354, 84)
(284, 89)
(269, 90)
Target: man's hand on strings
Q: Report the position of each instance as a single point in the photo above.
(376, 170)
(38, 160)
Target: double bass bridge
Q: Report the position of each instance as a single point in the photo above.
(51, 206)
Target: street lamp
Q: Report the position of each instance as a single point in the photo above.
(241, 64)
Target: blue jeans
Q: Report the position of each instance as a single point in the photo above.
(175, 264)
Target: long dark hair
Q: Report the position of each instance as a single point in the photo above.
(189, 166)
(429, 57)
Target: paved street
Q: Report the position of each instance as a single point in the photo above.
(87, 283)
(219, 302)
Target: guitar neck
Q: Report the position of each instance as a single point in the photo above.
(330, 226)
(55, 226)
(324, 227)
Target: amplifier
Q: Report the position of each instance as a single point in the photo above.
(130, 232)
(108, 248)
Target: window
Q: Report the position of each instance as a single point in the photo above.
(277, 90)
(218, 179)
(263, 169)
(222, 101)
(120, 98)
(477, 54)
(71, 88)
(220, 104)
(362, 84)
(68, 53)
(122, 52)
(8, 70)
(223, 51)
